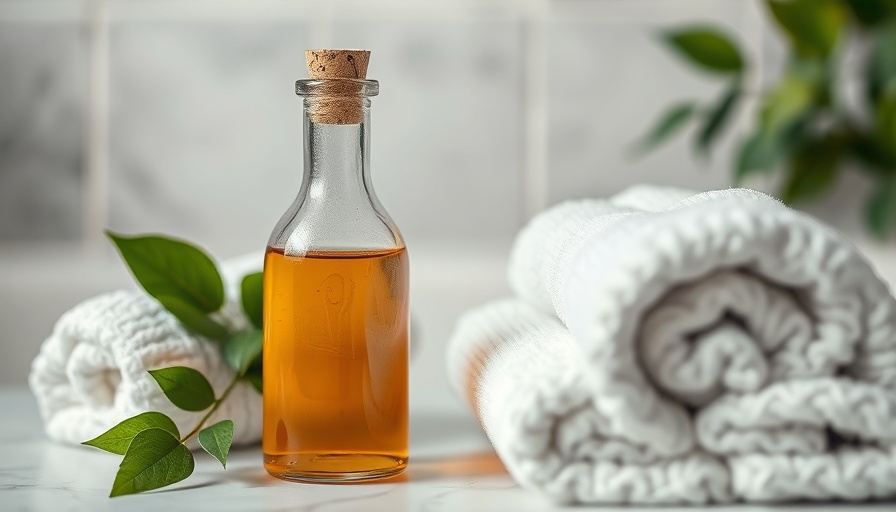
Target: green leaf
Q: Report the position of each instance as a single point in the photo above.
(812, 171)
(881, 71)
(875, 159)
(254, 378)
(194, 319)
(671, 122)
(717, 117)
(759, 153)
(880, 209)
(784, 104)
(251, 295)
(885, 127)
(872, 12)
(118, 438)
(154, 459)
(185, 387)
(708, 48)
(813, 26)
(216, 440)
(171, 268)
(241, 349)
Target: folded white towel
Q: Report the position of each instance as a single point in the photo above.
(667, 346)
(91, 373)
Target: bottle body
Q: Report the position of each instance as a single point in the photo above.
(336, 321)
(336, 357)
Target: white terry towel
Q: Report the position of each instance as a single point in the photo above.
(91, 373)
(670, 347)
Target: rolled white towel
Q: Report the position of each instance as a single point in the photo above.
(91, 373)
(674, 347)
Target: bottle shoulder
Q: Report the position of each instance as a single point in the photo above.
(313, 226)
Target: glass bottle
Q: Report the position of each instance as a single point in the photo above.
(336, 307)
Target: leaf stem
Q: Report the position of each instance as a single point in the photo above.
(213, 408)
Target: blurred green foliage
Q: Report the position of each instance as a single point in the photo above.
(802, 128)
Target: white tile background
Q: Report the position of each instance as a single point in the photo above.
(41, 108)
(180, 117)
(489, 110)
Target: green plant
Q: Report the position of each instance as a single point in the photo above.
(187, 283)
(803, 127)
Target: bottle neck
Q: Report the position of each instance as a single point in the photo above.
(337, 165)
(336, 208)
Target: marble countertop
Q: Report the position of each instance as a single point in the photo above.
(452, 469)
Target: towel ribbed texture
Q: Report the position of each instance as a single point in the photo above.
(665, 346)
(91, 372)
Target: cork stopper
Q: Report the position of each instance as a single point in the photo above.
(324, 64)
(342, 102)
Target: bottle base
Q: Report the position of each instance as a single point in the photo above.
(333, 467)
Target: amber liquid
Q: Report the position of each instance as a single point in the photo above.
(335, 365)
